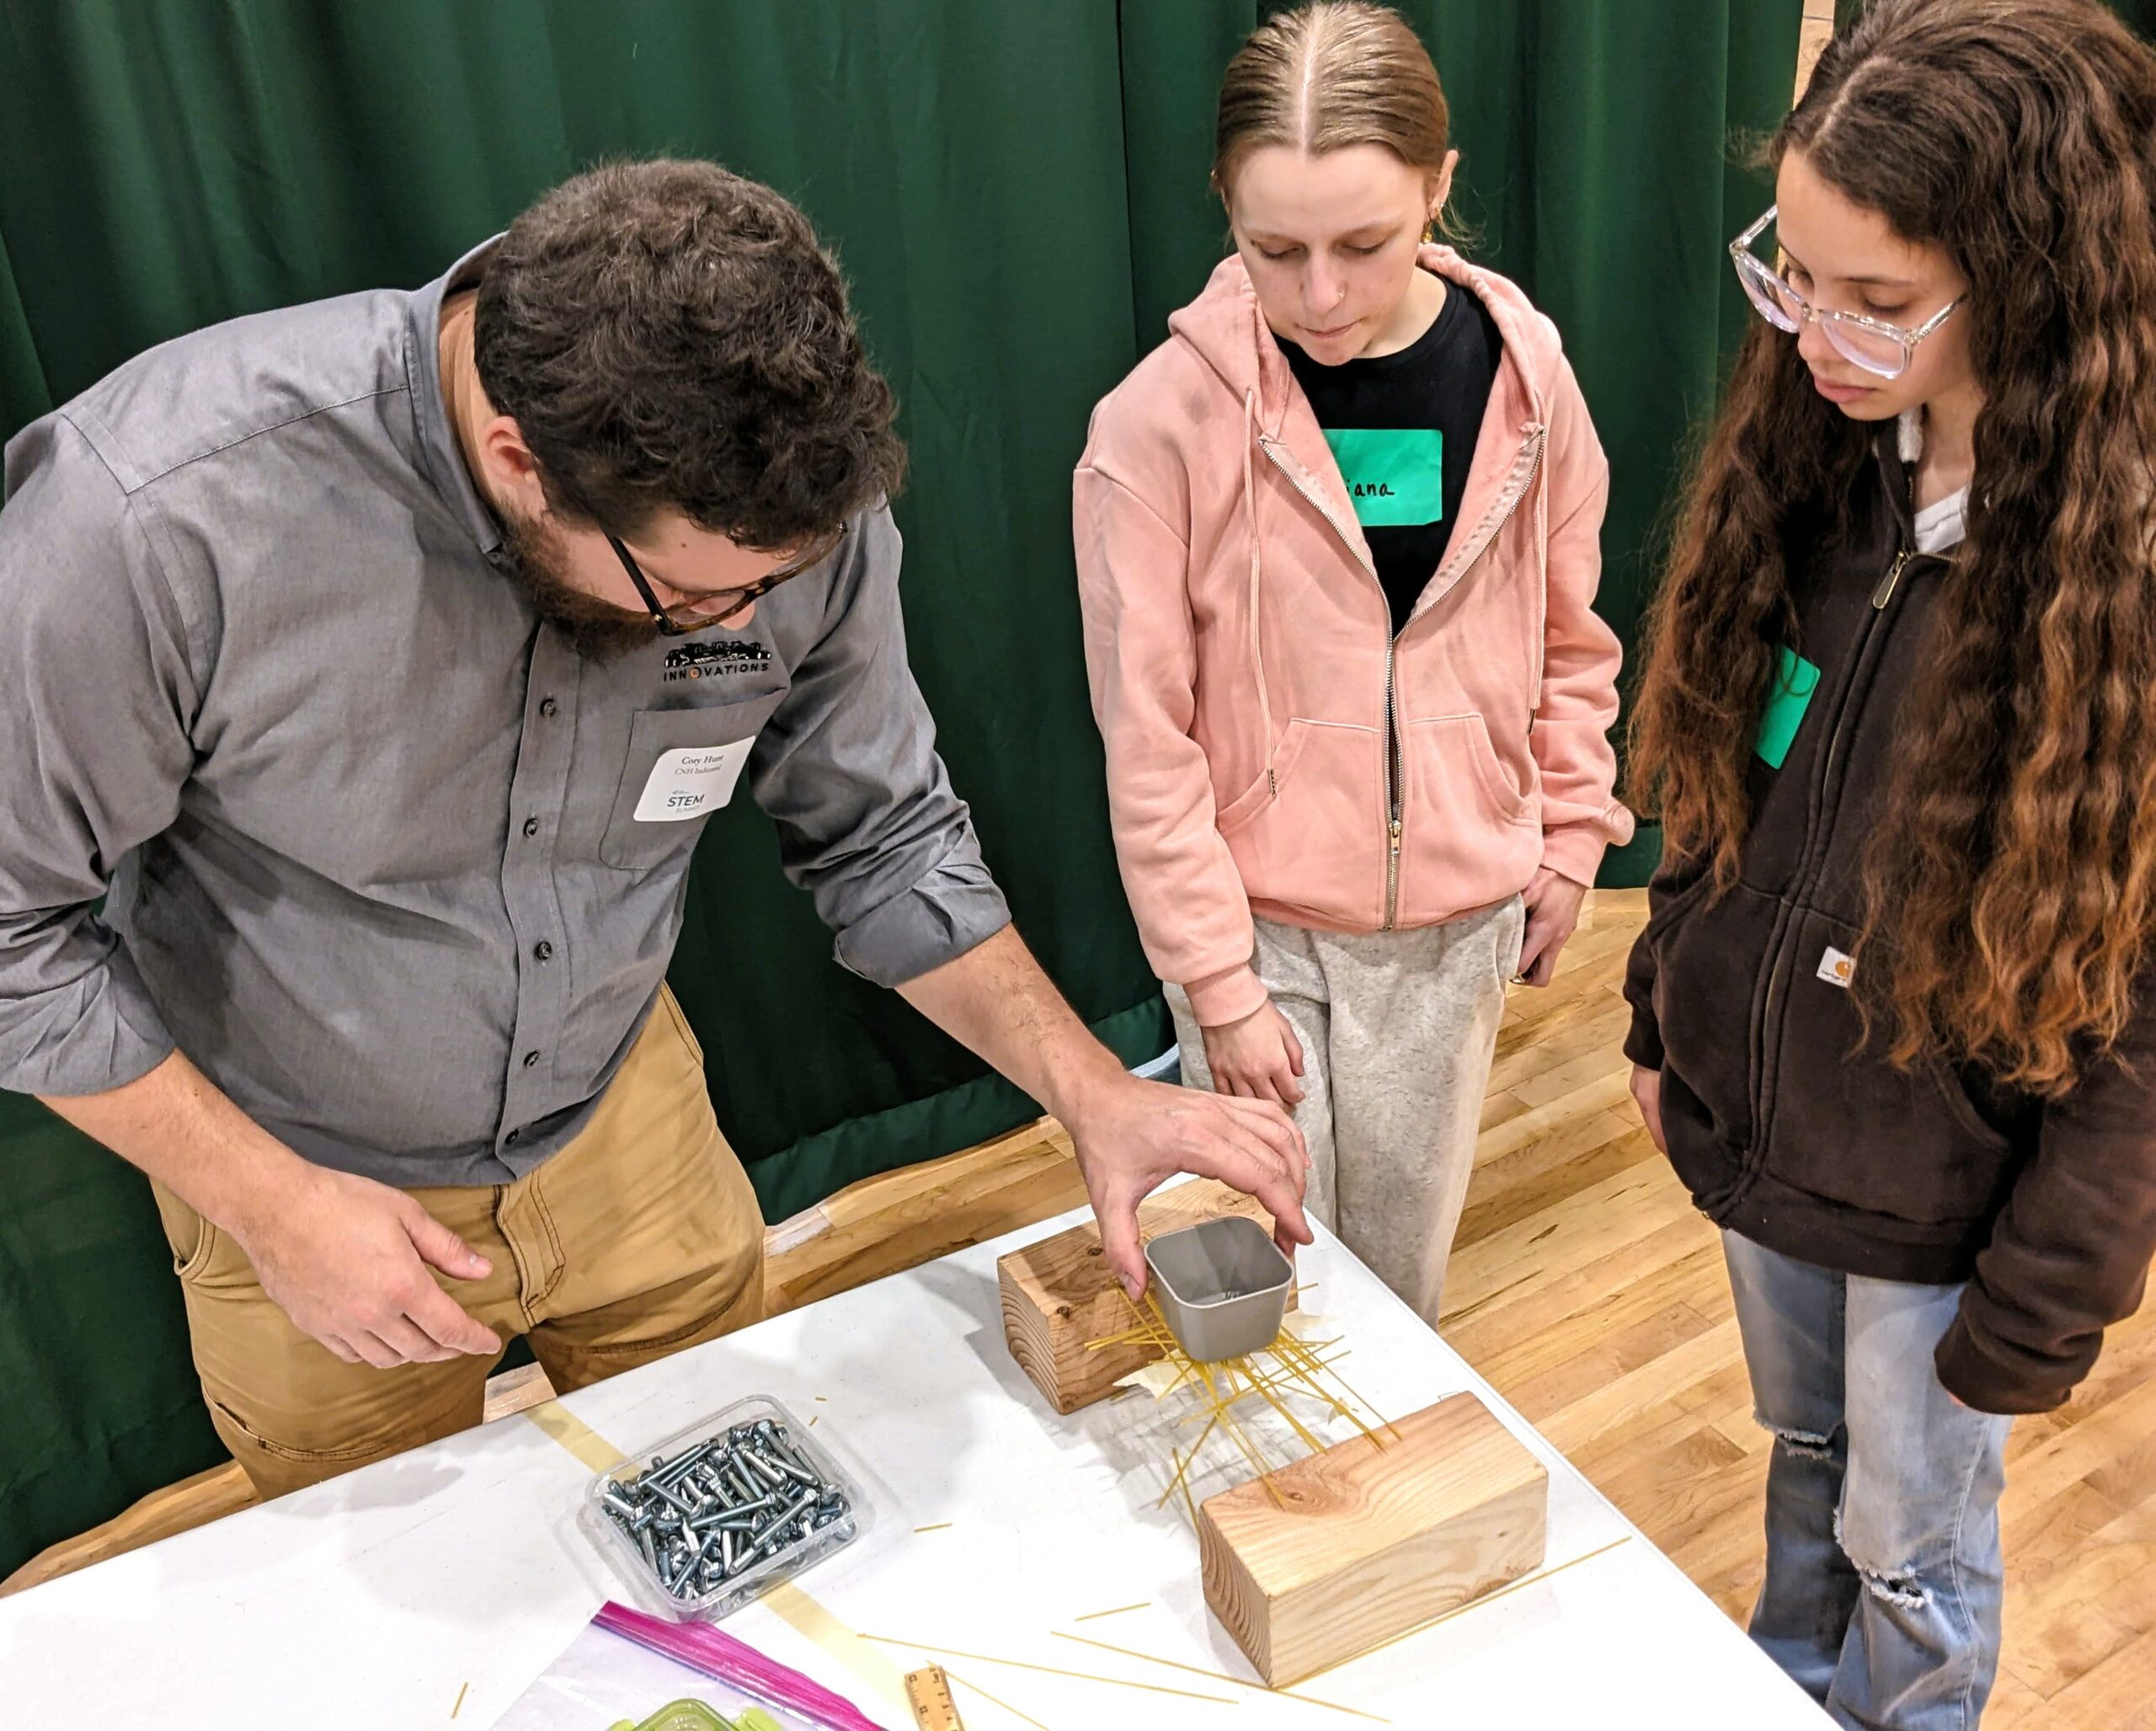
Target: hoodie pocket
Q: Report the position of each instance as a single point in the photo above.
(1238, 813)
(1469, 836)
(1448, 754)
(1711, 960)
(1312, 836)
(1846, 1124)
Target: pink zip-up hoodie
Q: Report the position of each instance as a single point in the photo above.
(1270, 746)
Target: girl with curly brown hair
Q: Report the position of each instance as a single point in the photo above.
(1892, 1014)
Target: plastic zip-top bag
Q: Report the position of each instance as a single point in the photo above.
(634, 1672)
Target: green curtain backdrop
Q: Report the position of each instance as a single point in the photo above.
(1017, 193)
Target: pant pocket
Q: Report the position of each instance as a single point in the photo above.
(307, 1419)
(1510, 930)
(670, 1006)
(236, 1429)
(193, 1236)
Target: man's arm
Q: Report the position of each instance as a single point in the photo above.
(101, 666)
(2070, 1252)
(847, 769)
(1131, 1135)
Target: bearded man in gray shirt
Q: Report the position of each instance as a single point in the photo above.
(379, 661)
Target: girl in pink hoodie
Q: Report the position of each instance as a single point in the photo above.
(1337, 542)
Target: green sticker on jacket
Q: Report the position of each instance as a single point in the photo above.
(1395, 475)
(1795, 679)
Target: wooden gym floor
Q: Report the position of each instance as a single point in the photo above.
(1588, 1291)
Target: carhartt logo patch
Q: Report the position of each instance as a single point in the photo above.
(709, 660)
(1837, 969)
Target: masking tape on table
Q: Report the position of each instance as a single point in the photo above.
(808, 1617)
(573, 1433)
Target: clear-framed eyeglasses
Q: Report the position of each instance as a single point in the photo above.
(1871, 344)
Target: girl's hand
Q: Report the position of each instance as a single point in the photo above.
(1646, 1094)
(1258, 1058)
(1553, 912)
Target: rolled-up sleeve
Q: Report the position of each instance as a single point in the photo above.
(847, 769)
(96, 687)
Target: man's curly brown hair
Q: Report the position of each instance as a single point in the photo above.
(666, 334)
(2011, 882)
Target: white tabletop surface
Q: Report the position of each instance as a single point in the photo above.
(457, 1573)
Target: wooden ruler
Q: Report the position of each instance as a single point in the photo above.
(929, 1691)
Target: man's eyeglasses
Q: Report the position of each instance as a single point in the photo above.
(722, 606)
(1871, 344)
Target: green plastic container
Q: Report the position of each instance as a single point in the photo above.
(695, 1715)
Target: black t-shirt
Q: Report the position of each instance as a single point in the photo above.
(1403, 429)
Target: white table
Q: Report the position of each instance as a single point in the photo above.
(377, 1600)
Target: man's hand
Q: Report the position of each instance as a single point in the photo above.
(1647, 1094)
(1133, 1135)
(1553, 913)
(1258, 1058)
(346, 1258)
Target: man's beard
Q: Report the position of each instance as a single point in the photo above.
(598, 631)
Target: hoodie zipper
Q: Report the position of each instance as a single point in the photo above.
(1392, 761)
(1395, 773)
(1395, 765)
(1531, 449)
(1885, 592)
(1777, 974)
(1397, 768)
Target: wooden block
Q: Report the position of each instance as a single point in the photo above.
(1058, 1295)
(1372, 1543)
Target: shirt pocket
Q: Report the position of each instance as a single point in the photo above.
(632, 843)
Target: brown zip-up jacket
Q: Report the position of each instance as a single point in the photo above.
(1786, 1132)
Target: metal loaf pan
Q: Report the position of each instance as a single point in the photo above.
(1222, 1286)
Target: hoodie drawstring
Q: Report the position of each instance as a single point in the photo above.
(1256, 639)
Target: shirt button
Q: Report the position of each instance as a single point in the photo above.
(530, 1059)
(548, 708)
(543, 951)
(532, 826)
(510, 1141)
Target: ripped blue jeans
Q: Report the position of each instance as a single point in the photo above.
(1884, 1577)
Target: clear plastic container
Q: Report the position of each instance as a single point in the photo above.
(729, 1595)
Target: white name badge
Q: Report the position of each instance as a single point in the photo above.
(688, 783)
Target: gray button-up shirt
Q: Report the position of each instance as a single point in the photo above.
(399, 870)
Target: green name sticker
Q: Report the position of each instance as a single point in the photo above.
(1795, 679)
(1395, 475)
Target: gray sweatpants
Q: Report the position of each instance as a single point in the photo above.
(1398, 1029)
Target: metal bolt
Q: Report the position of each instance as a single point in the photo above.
(680, 1505)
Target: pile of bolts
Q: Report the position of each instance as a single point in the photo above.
(715, 1511)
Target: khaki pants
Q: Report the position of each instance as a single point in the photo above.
(1398, 1029)
(640, 1237)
